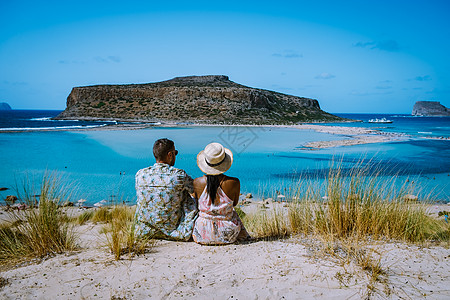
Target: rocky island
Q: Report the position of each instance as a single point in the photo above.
(430, 108)
(4, 106)
(212, 99)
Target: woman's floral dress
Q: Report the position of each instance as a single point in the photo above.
(217, 223)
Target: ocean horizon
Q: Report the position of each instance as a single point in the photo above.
(100, 164)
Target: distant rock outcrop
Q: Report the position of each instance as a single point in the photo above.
(430, 108)
(4, 106)
(200, 99)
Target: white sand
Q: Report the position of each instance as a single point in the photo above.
(284, 269)
(355, 136)
(261, 270)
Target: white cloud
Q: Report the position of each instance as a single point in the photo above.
(288, 54)
(366, 93)
(388, 45)
(423, 78)
(325, 76)
(107, 59)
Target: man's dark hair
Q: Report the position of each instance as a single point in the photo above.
(162, 147)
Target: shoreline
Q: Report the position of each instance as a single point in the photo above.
(354, 135)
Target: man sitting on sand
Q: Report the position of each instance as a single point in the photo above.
(165, 208)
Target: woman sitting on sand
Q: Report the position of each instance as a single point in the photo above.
(217, 194)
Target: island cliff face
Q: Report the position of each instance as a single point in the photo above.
(430, 108)
(4, 106)
(201, 99)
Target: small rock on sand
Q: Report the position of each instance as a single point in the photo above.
(268, 201)
(10, 199)
(410, 198)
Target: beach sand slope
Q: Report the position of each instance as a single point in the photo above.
(283, 269)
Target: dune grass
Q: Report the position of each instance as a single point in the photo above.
(121, 235)
(345, 213)
(358, 204)
(363, 205)
(108, 214)
(84, 217)
(41, 230)
(267, 224)
(119, 229)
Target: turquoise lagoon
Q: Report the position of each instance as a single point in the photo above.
(99, 165)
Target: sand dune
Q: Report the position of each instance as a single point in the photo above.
(292, 268)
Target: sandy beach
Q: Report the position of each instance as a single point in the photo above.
(351, 135)
(292, 268)
(284, 269)
(314, 135)
(355, 136)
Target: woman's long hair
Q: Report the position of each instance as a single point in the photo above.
(212, 184)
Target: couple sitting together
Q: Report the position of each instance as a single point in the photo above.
(171, 205)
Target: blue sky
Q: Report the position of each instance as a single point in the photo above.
(352, 56)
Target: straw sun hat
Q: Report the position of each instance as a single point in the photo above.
(215, 159)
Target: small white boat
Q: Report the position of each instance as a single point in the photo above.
(382, 120)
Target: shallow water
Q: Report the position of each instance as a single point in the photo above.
(101, 164)
(431, 127)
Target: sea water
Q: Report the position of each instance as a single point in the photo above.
(100, 165)
(415, 126)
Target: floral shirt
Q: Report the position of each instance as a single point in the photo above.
(164, 207)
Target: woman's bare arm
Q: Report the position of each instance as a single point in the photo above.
(238, 192)
(199, 186)
(232, 187)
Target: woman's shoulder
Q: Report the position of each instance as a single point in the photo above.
(230, 181)
(200, 179)
(200, 182)
(225, 179)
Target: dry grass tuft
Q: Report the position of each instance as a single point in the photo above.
(84, 217)
(102, 215)
(347, 212)
(41, 230)
(361, 205)
(267, 225)
(120, 231)
(3, 282)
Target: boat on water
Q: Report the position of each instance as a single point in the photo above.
(382, 120)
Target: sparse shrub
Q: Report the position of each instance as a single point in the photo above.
(103, 214)
(120, 231)
(85, 217)
(42, 229)
(3, 282)
(240, 212)
(360, 204)
(267, 224)
(360, 207)
(99, 104)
